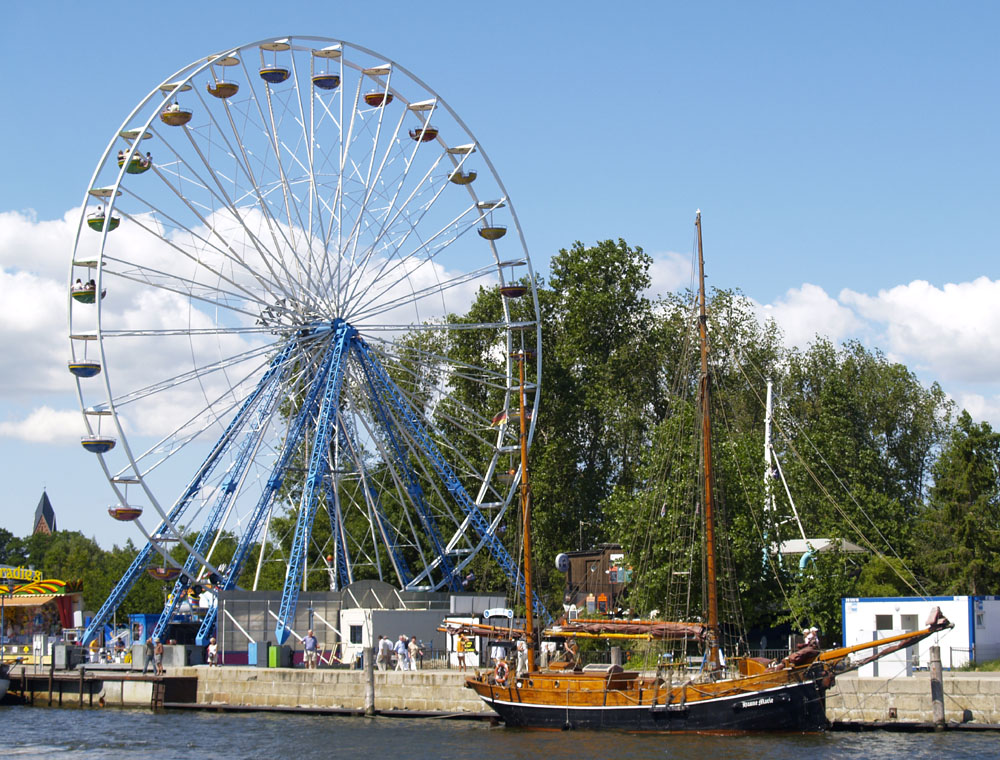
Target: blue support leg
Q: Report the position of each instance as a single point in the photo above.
(317, 472)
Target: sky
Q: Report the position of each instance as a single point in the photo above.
(844, 155)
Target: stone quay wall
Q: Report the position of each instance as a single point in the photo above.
(422, 690)
(968, 698)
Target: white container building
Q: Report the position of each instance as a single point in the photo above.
(975, 637)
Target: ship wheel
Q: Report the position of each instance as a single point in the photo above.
(261, 290)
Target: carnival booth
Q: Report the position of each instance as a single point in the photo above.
(35, 612)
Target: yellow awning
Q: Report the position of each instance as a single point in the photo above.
(31, 600)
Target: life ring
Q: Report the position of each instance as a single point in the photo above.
(500, 672)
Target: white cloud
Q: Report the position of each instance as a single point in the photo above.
(980, 407)
(953, 332)
(33, 326)
(670, 272)
(803, 313)
(46, 425)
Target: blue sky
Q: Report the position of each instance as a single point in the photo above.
(844, 155)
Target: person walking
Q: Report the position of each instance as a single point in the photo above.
(309, 644)
(213, 653)
(413, 649)
(401, 653)
(384, 653)
(148, 660)
(158, 657)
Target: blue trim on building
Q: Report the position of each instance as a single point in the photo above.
(906, 598)
(972, 626)
(843, 617)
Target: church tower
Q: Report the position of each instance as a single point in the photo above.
(45, 516)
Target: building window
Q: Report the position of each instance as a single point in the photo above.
(356, 634)
(883, 622)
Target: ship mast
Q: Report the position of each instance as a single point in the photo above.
(706, 429)
(529, 623)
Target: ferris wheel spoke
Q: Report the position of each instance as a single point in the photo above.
(371, 182)
(373, 509)
(161, 279)
(227, 255)
(377, 306)
(387, 224)
(195, 425)
(227, 251)
(274, 144)
(202, 371)
(390, 462)
(275, 229)
(396, 352)
(419, 256)
(244, 292)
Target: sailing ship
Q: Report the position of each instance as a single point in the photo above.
(738, 694)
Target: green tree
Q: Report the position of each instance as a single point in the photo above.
(959, 532)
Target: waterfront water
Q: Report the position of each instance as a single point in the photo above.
(37, 732)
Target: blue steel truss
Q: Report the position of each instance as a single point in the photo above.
(226, 493)
(341, 564)
(138, 566)
(300, 427)
(413, 423)
(389, 535)
(318, 467)
(412, 486)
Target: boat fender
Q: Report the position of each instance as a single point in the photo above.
(500, 672)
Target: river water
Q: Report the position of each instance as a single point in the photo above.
(38, 732)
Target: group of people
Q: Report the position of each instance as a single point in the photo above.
(143, 160)
(82, 287)
(154, 656)
(408, 653)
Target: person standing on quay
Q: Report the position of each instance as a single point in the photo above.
(309, 644)
(401, 654)
(149, 656)
(461, 650)
(414, 651)
(158, 657)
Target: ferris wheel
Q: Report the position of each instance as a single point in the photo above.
(262, 301)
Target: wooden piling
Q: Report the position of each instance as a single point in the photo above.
(369, 657)
(937, 689)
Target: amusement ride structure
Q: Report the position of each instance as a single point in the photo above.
(262, 295)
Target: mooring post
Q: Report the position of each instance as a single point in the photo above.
(616, 655)
(937, 689)
(81, 685)
(52, 671)
(369, 680)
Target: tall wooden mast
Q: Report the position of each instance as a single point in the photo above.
(706, 430)
(529, 623)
